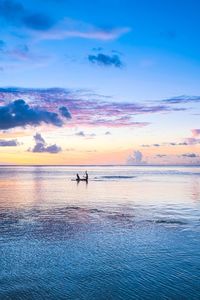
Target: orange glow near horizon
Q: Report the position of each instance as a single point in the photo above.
(91, 146)
(102, 156)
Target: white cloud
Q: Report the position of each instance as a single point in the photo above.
(136, 158)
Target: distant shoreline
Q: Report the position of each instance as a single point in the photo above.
(99, 165)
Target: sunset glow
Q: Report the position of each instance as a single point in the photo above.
(97, 90)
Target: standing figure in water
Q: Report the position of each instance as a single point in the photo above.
(86, 175)
(77, 177)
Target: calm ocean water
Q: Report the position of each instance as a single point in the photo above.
(130, 233)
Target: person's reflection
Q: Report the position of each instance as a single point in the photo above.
(83, 182)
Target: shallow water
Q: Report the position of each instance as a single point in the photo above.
(130, 233)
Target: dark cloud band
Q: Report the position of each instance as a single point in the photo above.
(106, 60)
(19, 113)
(16, 14)
(8, 143)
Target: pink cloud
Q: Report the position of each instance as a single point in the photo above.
(192, 141)
(85, 110)
(195, 132)
(69, 28)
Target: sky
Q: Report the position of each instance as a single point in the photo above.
(99, 82)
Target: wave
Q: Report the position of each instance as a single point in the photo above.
(170, 222)
(115, 177)
(173, 172)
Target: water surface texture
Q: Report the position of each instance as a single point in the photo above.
(130, 233)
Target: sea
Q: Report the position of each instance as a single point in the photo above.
(131, 232)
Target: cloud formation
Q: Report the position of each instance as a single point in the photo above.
(38, 21)
(43, 27)
(22, 53)
(69, 28)
(12, 55)
(16, 14)
(182, 99)
(86, 108)
(106, 60)
(195, 132)
(65, 112)
(19, 113)
(83, 134)
(42, 147)
(80, 133)
(136, 158)
(191, 155)
(192, 141)
(187, 142)
(8, 143)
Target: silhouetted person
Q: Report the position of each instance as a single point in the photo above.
(86, 175)
(77, 177)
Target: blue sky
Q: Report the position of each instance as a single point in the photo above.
(160, 52)
(141, 52)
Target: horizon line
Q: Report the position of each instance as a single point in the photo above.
(100, 165)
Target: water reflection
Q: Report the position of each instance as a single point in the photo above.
(131, 237)
(195, 189)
